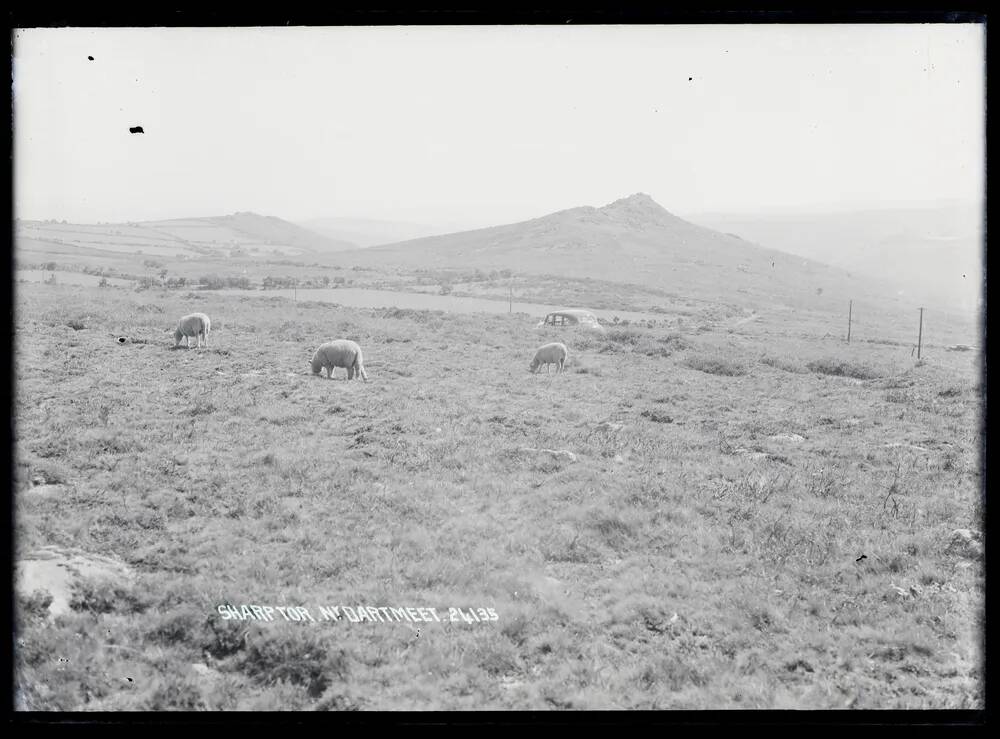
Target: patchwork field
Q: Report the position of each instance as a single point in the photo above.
(715, 517)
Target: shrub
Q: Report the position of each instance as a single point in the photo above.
(179, 627)
(34, 606)
(105, 596)
(225, 638)
(176, 693)
(300, 659)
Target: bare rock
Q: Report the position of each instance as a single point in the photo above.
(966, 543)
(56, 571)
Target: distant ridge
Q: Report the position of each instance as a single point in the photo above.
(934, 250)
(243, 233)
(635, 240)
(366, 232)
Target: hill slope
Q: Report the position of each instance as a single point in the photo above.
(933, 253)
(215, 236)
(367, 232)
(635, 240)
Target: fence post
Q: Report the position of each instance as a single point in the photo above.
(850, 309)
(920, 333)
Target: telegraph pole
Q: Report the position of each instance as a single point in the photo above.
(850, 308)
(920, 334)
(510, 298)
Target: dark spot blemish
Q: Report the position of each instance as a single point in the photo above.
(90, 58)
(136, 129)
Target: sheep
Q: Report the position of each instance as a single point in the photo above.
(554, 353)
(340, 353)
(195, 324)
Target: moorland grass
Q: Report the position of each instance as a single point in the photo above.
(712, 560)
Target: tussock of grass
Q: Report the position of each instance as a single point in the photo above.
(716, 365)
(843, 368)
(783, 364)
(50, 472)
(641, 341)
(582, 367)
(656, 416)
(624, 335)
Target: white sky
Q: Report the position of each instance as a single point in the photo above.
(481, 125)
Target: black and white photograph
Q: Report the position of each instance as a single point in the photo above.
(539, 367)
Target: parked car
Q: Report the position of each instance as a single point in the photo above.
(572, 317)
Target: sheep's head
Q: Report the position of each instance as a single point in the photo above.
(177, 337)
(534, 365)
(316, 365)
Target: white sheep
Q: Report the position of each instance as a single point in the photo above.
(554, 353)
(195, 324)
(340, 353)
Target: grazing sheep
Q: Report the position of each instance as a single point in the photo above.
(554, 353)
(195, 324)
(340, 353)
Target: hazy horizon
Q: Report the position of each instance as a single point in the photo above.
(475, 224)
(471, 126)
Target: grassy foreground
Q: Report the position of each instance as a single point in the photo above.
(677, 521)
